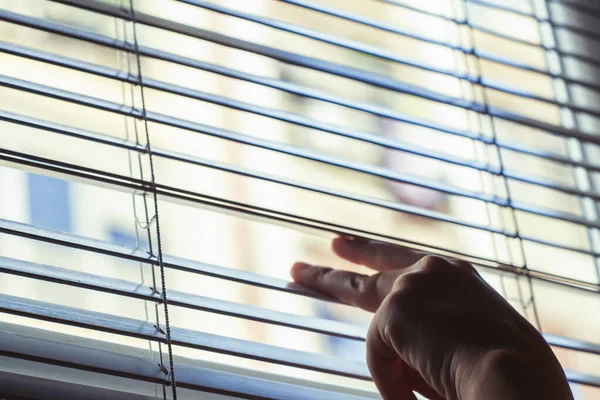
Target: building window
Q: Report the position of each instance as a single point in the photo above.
(49, 202)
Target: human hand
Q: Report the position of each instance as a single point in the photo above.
(439, 329)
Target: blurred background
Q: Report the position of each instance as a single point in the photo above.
(207, 235)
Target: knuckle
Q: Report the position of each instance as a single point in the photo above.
(357, 283)
(396, 299)
(369, 284)
(433, 265)
(396, 307)
(366, 292)
(407, 284)
(322, 273)
(465, 267)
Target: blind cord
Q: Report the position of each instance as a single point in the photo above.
(155, 198)
(531, 302)
(121, 56)
(137, 222)
(587, 180)
(476, 129)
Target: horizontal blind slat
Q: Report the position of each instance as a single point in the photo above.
(180, 299)
(400, 207)
(311, 155)
(131, 289)
(285, 86)
(286, 149)
(85, 358)
(32, 387)
(168, 120)
(493, 6)
(182, 337)
(376, 51)
(276, 114)
(347, 72)
(583, 379)
(285, 116)
(108, 140)
(586, 8)
(246, 210)
(236, 208)
(145, 369)
(69, 240)
(178, 263)
(569, 343)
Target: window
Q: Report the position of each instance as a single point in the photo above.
(49, 202)
(165, 162)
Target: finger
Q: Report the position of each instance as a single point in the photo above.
(364, 291)
(386, 366)
(376, 255)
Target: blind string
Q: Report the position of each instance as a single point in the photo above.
(479, 73)
(589, 182)
(476, 128)
(130, 158)
(486, 156)
(137, 223)
(156, 215)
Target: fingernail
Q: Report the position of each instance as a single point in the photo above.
(352, 239)
(345, 237)
(300, 266)
(297, 268)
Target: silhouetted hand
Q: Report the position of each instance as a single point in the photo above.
(439, 328)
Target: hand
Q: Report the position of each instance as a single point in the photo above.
(439, 329)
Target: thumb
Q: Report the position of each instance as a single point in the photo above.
(386, 366)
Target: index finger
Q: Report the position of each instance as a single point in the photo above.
(364, 291)
(376, 255)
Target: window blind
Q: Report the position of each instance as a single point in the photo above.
(164, 162)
